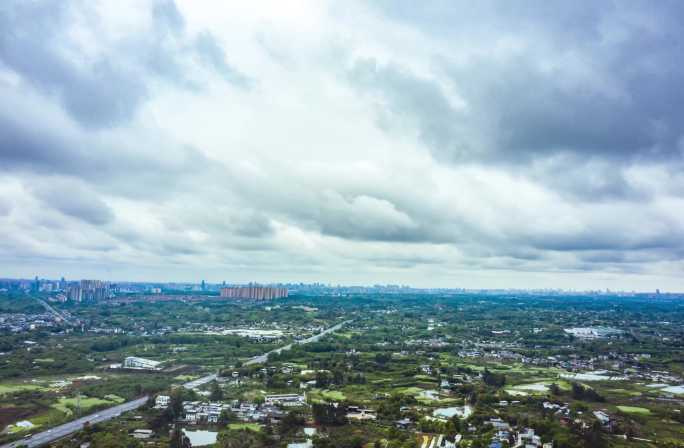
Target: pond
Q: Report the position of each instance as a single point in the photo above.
(460, 411)
(667, 388)
(201, 438)
(429, 395)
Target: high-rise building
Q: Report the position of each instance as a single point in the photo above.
(89, 291)
(254, 292)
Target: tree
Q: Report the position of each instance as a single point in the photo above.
(243, 439)
(216, 392)
(329, 414)
(593, 437)
(581, 392)
(555, 389)
(226, 417)
(493, 379)
(179, 440)
(290, 423)
(382, 358)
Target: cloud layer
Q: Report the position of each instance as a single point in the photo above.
(454, 144)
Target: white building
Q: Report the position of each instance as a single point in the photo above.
(200, 412)
(162, 401)
(143, 433)
(287, 400)
(133, 362)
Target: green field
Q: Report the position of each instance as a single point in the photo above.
(13, 388)
(633, 410)
(327, 395)
(67, 405)
(250, 426)
(185, 377)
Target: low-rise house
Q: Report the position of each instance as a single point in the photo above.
(528, 439)
(202, 412)
(499, 424)
(603, 418)
(162, 402)
(143, 434)
(356, 413)
(404, 423)
(286, 400)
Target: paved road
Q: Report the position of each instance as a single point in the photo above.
(262, 358)
(52, 310)
(58, 432)
(200, 381)
(69, 428)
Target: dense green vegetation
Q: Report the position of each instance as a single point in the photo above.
(403, 358)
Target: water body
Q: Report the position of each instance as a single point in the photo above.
(678, 390)
(201, 438)
(536, 387)
(675, 389)
(429, 394)
(592, 376)
(460, 411)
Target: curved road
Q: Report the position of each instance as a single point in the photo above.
(64, 430)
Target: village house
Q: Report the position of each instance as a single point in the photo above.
(162, 402)
(286, 400)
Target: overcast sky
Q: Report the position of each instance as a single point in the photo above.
(456, 144)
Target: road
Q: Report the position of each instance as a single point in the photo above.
(64, 430)
(52, 310)
(262, 358)
(200, 381)
(69, 428)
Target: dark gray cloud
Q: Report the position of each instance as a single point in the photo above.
(73, 199)
(30, 143)
(581, 91)
(106, 89)
(416, 101)
(98, 93)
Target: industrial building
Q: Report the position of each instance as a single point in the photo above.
(133, 362)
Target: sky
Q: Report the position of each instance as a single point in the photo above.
(487, 144)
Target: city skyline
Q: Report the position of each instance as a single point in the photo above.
(527, 145)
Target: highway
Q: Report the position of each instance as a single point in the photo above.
(262, 358)
(200, 381)
(50, 309)
(64, 430)
(69, 428)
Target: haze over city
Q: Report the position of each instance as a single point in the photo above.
(459, 144)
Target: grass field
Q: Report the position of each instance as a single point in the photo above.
(327, 395)
(13, 388)
(185, 377)
(251, 426)
(67, 405)
(633, 410)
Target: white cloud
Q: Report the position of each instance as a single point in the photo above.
(320, 141)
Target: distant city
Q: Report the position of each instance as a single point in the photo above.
(89, 290)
